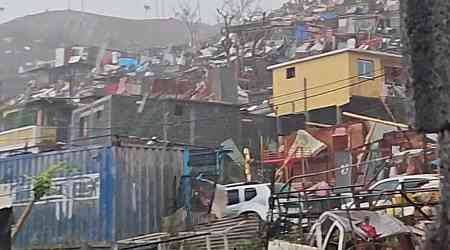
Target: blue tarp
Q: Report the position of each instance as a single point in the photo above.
(128, 63)
(301, 33)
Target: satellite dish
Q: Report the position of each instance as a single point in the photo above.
(147, 7)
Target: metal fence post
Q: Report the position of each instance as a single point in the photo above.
(208, 243)
(225, 241)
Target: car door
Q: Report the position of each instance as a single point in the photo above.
(234, 203)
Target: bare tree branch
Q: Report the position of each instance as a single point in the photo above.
(189, 14)
(239, 9)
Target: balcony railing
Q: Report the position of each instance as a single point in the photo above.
(31, 136)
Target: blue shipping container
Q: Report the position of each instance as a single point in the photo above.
(114, 193)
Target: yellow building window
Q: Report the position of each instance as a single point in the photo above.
(290, 73)
(365, 69)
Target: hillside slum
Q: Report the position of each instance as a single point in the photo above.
(288, 130)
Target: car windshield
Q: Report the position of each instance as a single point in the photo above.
(385, 186)
(415, 183)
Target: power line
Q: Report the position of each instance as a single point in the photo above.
(325, 92)
(179, 123)
(174, 124)
(315, 87)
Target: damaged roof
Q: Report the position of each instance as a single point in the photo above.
(332, 53)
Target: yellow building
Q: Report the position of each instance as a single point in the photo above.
(331, 79)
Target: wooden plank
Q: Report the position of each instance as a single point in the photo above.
(371, 119)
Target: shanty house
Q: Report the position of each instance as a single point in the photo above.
(35, 124)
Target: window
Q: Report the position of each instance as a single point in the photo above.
(365, 69)
(233, 197)
(99, 114)
(83, 126)
(249, 193)
(290, 73)
(178, 110)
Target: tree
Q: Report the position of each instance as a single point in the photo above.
(42, 185)
(426, 38)
(226, 42)
(189, 14)
(234, 12)
(240, 9)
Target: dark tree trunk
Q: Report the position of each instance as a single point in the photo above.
(426, 37)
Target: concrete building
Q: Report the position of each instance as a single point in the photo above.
(181, 121)
(36, 124)
(332, 79)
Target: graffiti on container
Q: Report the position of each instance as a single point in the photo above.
(65, 190)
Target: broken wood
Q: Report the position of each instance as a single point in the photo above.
(363, 154)
(282, 169)
(376, 120)
(23, 218)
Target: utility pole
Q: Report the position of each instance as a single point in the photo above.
(426, 40)
(305, 97)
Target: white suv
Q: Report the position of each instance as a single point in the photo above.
(248, 198)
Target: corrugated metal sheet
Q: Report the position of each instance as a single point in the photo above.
(114, 193)
(148, 179)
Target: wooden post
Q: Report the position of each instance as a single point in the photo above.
(261, 156)
(225, 242)
(338, 115)
(208, 243)
(305, 97)
(247, 164)
(22, 220)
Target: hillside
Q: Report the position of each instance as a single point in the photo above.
(34, 37)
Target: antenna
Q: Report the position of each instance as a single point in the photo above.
(147, 9)
(199, 10)
(82, 5)
(156, 8)
(69, 4)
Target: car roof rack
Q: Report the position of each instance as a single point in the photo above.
(242, 184)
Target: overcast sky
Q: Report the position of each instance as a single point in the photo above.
(121, 8)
